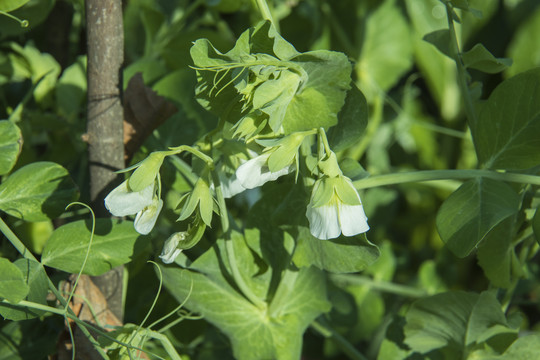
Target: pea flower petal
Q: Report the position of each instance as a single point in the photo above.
(147, 217)
(255, 172)
(122, 202)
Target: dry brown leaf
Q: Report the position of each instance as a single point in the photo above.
(144, 111)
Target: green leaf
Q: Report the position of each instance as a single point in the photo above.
(24, 340)
(263, 78)
(10, 5)
(437, 69)
(386, 52)
(456, 321)
(480, 58)
(114, 243)
(495, 253)
(70, 91)
(441, 40)
(10, 145)
(341, 255)
(524, 48)
(268, 333)
(12, 283)
(34, 11)
(352, 121)
(524, 348)
(36, 279)
(37, 192)
(536, 224)
(472, 211)
(44, 69)
(506, 134)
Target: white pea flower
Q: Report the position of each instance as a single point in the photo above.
(279, 158)
(255, 172)
(334, 208)
(230, 185)
(144, 203)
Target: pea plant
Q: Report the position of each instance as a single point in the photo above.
(337, 180)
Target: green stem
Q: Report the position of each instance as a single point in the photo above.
(28, 255)
(23, 23)
(229, 247)
(344, 345)
(179, 149)
(237, 276)
(384, 286)
(324, 140)
(266, 13)
(462, 71)
(431, 175)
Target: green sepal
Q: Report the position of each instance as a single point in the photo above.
(193, 236)
(329, 166)
(323, 191)
(200, 195)
(285, 152)
(346, 191)
(147, 171)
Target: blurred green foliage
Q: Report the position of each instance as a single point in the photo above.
(416, 121)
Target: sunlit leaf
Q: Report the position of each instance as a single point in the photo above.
(268, 333)
(10, 5)
(37, 192)
(114, 243)
(386, 52)
(264, 79)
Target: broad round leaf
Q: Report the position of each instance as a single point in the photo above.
(37, 192)
(472, 211)
(10, 5)
(455, 321)
(273, 333)
(114, 243)
(341, 255)
(12, 284)
(10, 145)
(506, 134)
(352, 121)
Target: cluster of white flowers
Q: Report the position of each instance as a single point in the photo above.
(334, 208)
